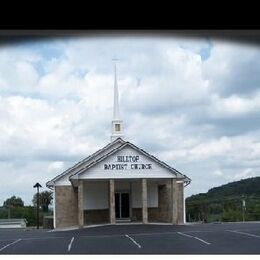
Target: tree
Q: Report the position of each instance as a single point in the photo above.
(45, 199)
(13, 202)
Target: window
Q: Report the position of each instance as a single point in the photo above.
(117, 127)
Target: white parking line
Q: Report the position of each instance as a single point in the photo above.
(201, 240)
(199, 231)
(184, 235)
(133, 241)
(16, 241)
(70, 244)
(243, 233)
(141, 234)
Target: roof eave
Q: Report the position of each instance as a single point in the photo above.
(174, 171)
(50, 184)
(119, 139)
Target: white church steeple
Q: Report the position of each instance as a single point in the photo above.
(117, 123)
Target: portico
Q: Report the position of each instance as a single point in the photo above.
(135, 200)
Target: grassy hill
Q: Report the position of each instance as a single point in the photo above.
(224, 203)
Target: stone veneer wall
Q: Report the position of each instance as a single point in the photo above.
(162, 213)
(66, 206)
(180, 203)
(96, 216)
(136, 215)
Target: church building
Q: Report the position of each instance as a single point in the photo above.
(118, 183)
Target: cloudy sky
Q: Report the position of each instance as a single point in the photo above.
(194, 104)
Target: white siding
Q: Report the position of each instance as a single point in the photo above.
(98, 171)
(63, 181)
(95, 195)
(152, 194)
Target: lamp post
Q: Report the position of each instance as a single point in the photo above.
(37, 185)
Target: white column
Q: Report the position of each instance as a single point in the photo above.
(112, 214)
(144, 201)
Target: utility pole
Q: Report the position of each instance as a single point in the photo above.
(243, 208)
(37, 185)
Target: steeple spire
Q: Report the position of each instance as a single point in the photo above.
(116, 114)
(117, 123)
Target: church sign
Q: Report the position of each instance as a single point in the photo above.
(128, 162)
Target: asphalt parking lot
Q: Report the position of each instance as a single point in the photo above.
(223, 238)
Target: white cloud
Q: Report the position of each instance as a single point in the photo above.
(247, 173)
(218, 173)
(209, 149)
(55, 167)
(199, 150)
(55, 108)
(232, 68)
(35, 128)
(17, 71)
(234, 106)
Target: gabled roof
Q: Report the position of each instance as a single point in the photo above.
(88, 160)
(163, 164)
(100, 156)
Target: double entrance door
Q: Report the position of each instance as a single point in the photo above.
(122, 205)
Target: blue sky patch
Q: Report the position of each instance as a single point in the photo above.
(205, 51)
